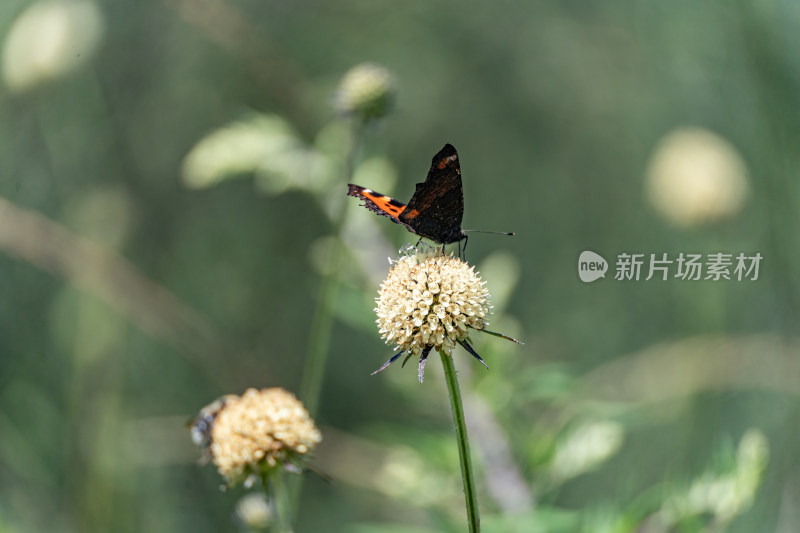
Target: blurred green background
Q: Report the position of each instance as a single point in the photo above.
(172, 181)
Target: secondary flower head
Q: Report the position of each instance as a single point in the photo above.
(366, 91)
(256, 432)
(696, 177)
(430, 302)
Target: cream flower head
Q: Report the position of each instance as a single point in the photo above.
(258, 431)
(430, 302)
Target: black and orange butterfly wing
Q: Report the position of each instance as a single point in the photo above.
(437, 207)
(377, 202)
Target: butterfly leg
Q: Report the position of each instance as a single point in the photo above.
(462, 252)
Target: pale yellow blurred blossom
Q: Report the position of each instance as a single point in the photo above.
(263, 146)
(242, 146)
(407, 474)
(366, 91)
(586, 448)
(260, 430)
(723, 496)
(48, 40)
(695, 176)
(430, 302)
(253, 511)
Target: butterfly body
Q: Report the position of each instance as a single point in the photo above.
(436, 207)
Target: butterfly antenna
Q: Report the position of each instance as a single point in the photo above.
(511, 233)
(462, 251)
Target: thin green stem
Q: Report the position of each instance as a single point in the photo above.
(320, 335)
(467, 475)
(322, 322)
(278, 497)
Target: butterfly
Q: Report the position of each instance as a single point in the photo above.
(437, 206)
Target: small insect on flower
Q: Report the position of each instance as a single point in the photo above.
(201, 425)
(431, 302)
(255, 433)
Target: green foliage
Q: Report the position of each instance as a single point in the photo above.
(172, 189)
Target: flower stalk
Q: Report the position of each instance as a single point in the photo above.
(278, 497)
(322, 322)
(366, 94)
(467, 474)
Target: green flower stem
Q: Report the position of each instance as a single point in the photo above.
(278, 498)
(322, 323)
(470, 494)
(321, 327)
